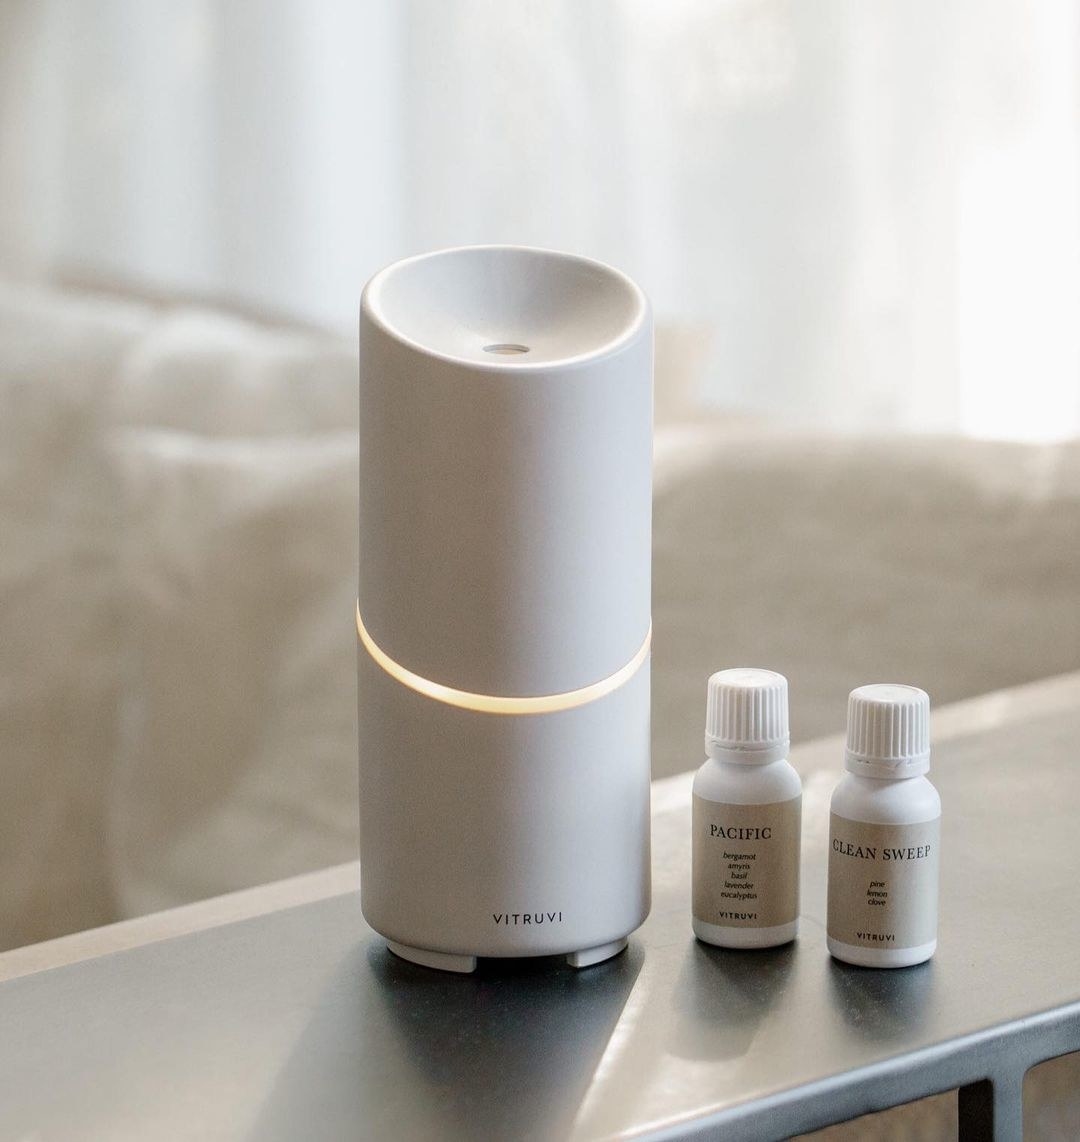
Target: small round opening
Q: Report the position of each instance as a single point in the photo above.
(505, 349)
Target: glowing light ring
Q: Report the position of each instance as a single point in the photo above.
(495, 704)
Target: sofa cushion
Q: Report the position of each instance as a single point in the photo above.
(948, 563)
(73, 366)
(201, 371)
(59, 356)
(237, 755)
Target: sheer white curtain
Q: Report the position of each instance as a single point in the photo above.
(864, 214)
(244, 149)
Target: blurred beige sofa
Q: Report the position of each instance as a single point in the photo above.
(177, 554)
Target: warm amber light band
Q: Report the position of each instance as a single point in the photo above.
(491, 703)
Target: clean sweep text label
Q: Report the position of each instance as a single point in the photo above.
(883, 882)
(871, 852)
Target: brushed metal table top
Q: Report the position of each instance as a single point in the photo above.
(299, 1024)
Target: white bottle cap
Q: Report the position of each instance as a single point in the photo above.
(888, 731)
(746, 718)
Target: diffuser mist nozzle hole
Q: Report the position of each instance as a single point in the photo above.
(506, 348)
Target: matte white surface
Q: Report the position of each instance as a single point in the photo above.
(505, 552)
(742, 784)
(505, 500)
(588, 957)
(442, 961)
(464, 816)
(541, 308)
(905, 801)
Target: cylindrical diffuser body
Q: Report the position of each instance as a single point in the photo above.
(504, 602)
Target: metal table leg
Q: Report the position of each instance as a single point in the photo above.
(992, 1109)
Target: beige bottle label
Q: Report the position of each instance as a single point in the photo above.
(883, 883)
(746, 863)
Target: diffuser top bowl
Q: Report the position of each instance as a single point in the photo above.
(506, 306)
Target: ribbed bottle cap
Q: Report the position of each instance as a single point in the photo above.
(746, 717)
(888, 731)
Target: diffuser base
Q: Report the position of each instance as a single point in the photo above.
(589, 956)
(450, 961)
(444, 961)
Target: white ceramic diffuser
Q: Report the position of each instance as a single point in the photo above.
(504, 606)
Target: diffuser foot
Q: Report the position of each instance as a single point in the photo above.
(443, 961)
(589, 956)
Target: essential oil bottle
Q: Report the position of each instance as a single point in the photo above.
(884, 833)
(747, 816)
